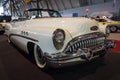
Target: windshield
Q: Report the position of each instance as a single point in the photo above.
(41, 13)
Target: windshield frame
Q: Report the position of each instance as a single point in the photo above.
(39, 13)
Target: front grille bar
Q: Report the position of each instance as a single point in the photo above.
(88, 43)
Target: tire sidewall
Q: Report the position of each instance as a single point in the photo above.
(42, 66)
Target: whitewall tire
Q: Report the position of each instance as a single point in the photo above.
(38, 56)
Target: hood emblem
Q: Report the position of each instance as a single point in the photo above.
(94, 28)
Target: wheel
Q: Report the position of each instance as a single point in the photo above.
(113, 28)
(38, 56)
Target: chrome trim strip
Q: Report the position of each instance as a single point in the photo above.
(23, 37)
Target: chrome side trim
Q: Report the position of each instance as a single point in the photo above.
(23, 37)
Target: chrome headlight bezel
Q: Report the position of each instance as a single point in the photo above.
(58, 38)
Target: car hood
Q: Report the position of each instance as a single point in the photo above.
(74, 26)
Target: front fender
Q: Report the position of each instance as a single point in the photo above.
(46, 44)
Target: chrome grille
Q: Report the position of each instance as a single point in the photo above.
(73, 46)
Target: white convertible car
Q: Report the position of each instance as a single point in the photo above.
(56, 41)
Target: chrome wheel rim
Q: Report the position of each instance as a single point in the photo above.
(113, 28)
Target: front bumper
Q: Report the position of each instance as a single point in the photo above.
(70, 60)
(82, 55)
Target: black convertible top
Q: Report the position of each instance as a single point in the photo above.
(48, 10)
(35, 9)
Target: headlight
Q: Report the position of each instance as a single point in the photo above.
(58, 38)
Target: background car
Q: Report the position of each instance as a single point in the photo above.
(113, 25)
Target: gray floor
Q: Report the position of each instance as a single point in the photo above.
(16, 65)
(115, 36)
